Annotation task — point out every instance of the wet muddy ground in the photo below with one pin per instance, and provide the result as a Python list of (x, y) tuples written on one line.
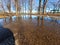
[(33, 31)]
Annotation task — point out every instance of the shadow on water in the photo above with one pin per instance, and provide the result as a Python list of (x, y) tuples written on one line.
[(6, 37)]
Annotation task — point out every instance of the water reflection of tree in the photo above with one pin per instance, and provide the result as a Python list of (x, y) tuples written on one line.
[(40, 23)]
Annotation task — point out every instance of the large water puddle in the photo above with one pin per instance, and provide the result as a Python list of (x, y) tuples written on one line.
[(26, 17)]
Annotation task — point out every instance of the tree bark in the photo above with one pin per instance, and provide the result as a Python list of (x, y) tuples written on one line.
[(39, 6), (16, 3)]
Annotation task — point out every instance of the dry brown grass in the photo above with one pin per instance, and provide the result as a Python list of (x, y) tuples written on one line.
[(31, 33)]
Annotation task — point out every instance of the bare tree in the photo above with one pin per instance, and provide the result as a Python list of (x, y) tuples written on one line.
[(2, 6), (23, 5), (30, 6), (54, 4), (44, 6), (39, 7), (19, 6), (58, 5), (9, 5), (39, 11), (16, 4)]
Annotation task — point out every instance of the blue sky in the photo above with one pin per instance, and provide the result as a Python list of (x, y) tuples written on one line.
[(35, 5)]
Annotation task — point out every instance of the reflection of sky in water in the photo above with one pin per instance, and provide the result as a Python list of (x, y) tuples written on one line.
[(7, 20), (34, 16), (26, 18), (1, 21), (13, 18), (48, 19), (51, 20), (58, 21), (45, 18)]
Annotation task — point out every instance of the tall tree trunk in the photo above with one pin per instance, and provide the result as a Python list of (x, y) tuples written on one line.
[(39, 6), (44, 6), (30, 6), (25, 9), (9, 5), (16, 3), (23, 6), (39, 11), (3, 9)]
